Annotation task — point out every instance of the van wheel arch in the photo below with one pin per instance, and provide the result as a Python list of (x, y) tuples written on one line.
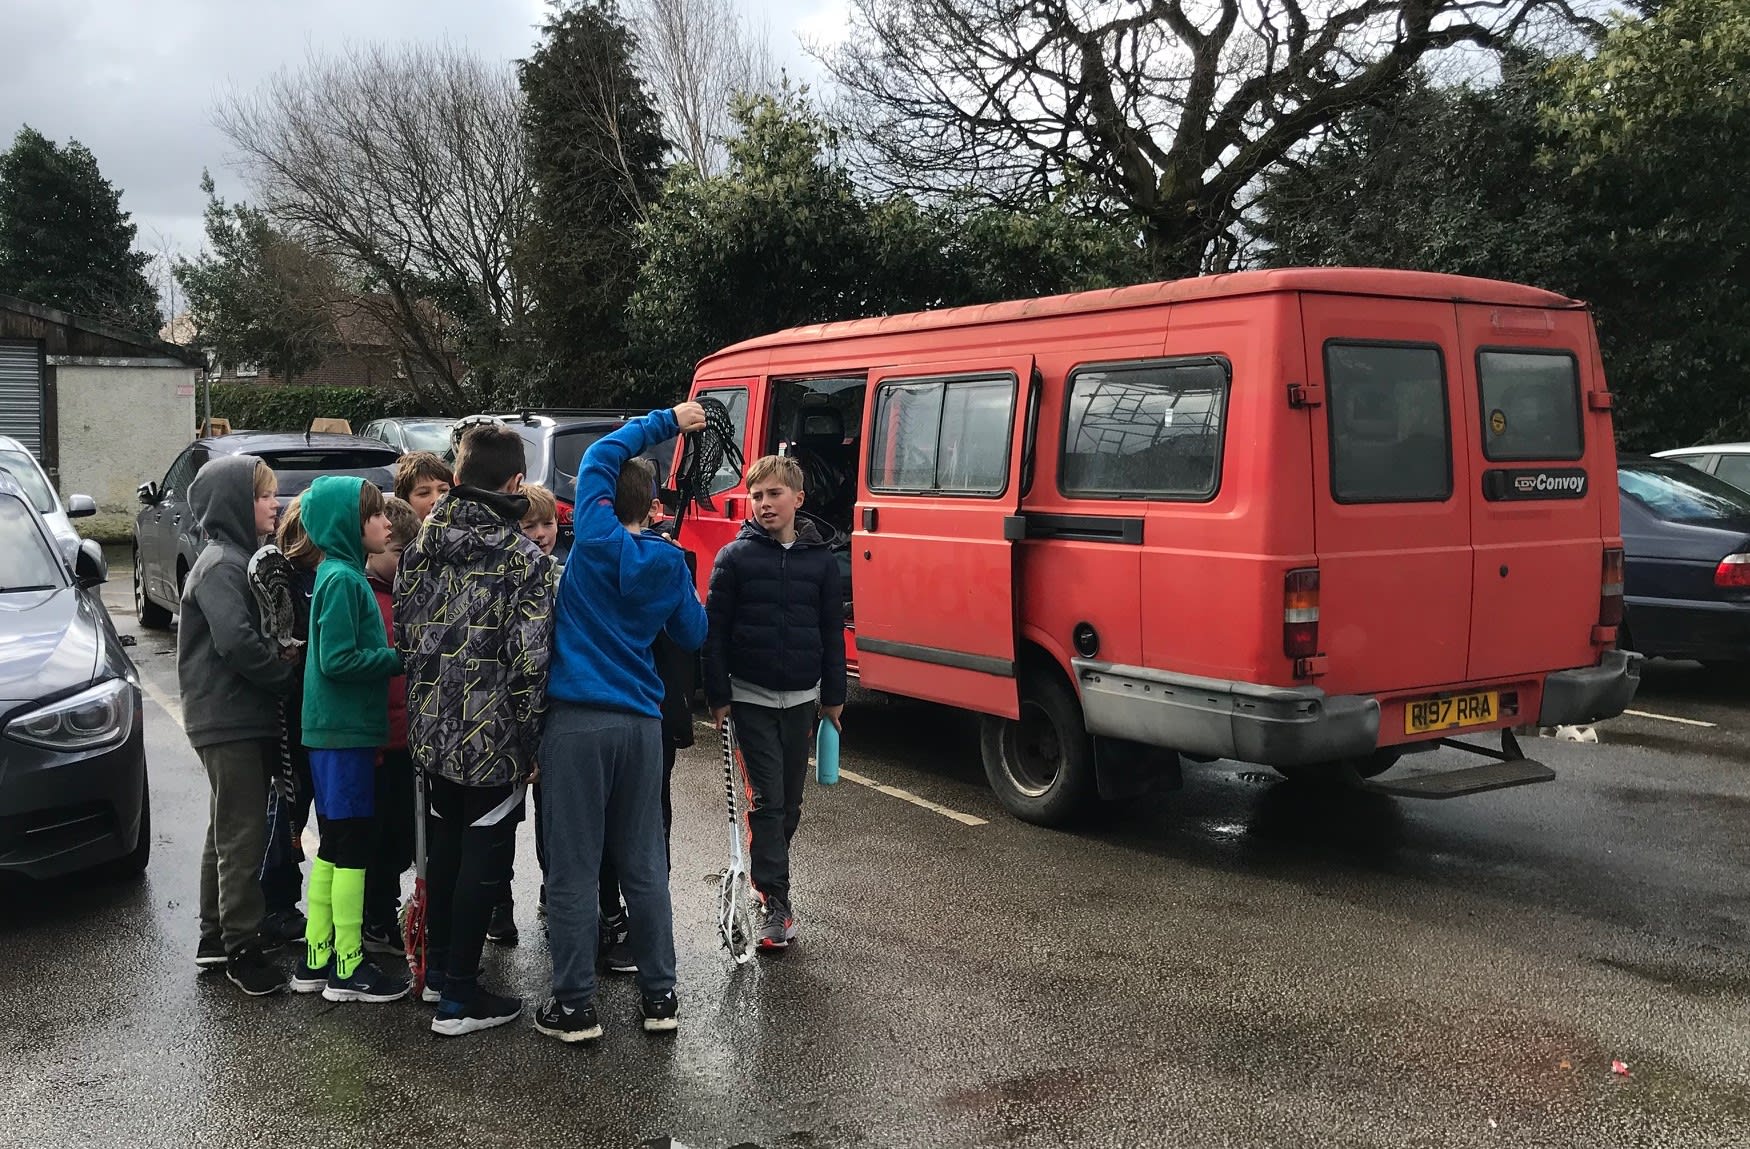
[(1041, 767)]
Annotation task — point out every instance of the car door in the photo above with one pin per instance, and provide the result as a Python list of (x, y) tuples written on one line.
[(181, 529), (154, 533)]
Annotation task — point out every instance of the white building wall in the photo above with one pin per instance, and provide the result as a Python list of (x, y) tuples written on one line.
[(120, 422)]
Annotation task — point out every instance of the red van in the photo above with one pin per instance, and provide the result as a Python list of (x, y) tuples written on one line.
[(1313, 519)]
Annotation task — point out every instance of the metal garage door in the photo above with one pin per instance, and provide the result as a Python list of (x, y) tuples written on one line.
[(21, 395)]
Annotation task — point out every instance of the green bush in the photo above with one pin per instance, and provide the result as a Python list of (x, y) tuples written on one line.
[(256, 408)]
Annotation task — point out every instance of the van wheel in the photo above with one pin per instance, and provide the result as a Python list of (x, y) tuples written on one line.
[(151, 615), (1332, 773), (1041, 766)]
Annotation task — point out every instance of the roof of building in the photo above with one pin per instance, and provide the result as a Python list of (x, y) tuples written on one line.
[(83, 336)]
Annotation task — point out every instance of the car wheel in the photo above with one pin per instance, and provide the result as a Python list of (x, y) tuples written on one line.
[(1041, 766), (151, 615), (133, 864)]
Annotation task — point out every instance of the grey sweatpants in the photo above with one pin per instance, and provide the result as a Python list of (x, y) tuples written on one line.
[(601, 790), (231, 899)]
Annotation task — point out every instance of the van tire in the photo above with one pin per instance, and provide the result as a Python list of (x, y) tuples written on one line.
[(1333, 773), (1042, 766)]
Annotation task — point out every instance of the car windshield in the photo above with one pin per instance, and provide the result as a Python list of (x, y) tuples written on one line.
[(23, 468), (298, 469), (27, 562), (433, 436), (1678, 493)]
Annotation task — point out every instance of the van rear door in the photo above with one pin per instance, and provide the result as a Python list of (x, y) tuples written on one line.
[(1543, 450), (933, 549), (1392, 516)]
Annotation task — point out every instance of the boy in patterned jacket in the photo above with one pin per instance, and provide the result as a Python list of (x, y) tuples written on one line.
[(473, 611)]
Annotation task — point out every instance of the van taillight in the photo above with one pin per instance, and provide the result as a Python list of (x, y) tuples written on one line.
[(1733, 572), (1300, 613), (1610, 589)]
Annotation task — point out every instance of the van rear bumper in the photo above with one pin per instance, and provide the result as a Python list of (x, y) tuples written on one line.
[(1215, 718), (1592, 693)]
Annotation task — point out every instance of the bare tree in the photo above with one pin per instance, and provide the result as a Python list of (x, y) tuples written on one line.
[(406, 165), (1160, 113), (695, 55)]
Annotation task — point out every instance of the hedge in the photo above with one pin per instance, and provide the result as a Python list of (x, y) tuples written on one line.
[(290, 408)]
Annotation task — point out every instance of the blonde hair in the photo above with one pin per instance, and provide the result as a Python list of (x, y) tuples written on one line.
[(266, 482), (543, 507), (294, 540), (780, 467), (404, 522)]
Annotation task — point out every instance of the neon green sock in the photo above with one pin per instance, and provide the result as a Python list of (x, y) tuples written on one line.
[(349, 920), (319, 934)]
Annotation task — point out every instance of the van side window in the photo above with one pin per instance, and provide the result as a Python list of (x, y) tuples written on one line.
[(734, 398), (947, 436), (1531, 405), (1391, 441), (1145, 430)]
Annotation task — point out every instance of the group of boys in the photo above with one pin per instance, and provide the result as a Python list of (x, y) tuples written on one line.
[(440, 637)]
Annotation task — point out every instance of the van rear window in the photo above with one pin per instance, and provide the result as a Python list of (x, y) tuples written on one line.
[(1391, 440), (1531, 405), (1149, 430)]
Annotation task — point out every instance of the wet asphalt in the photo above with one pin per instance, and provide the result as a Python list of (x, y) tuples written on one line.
[(1238, 963)]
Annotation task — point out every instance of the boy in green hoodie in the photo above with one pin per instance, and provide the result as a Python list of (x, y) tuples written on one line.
[(346, 721)]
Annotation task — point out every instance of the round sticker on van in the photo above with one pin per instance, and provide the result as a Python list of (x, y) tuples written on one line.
[(1498, 421)]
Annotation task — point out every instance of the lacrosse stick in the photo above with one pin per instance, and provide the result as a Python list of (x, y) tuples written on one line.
[(413, 913), (273, 580), (735, 894)]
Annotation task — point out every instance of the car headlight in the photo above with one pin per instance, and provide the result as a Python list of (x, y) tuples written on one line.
[(99, 716)]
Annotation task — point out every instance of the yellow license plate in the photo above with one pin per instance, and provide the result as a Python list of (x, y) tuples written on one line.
[(1452, 713)]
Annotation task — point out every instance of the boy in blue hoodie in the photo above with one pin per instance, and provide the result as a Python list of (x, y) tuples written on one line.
[(601, 753)]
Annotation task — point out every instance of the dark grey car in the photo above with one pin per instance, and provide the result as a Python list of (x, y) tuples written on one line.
[(166, 537), (73, 790)]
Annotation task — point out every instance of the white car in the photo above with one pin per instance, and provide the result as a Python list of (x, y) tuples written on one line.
[(17, 459), (1728, 461)]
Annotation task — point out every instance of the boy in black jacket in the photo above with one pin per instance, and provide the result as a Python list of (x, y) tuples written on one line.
[(776, 658)]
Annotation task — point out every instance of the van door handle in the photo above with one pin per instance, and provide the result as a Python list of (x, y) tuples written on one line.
[(869, 519)]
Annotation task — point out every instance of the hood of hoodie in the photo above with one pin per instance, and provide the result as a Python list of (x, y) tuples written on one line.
[(807, 534), (471, 522), (222, 498), (330, 509)]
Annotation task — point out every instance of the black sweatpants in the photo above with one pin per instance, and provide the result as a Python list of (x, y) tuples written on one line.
[(467, 873), (774, 761), (608, 886), (282, 881), (392, 840)]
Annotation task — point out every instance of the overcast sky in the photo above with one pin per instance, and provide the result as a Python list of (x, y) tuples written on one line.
[(136, 80)]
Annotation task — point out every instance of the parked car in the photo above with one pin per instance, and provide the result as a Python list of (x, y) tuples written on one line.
[(554, 443), (1687, 540), (423, 433), (1728, 461), (16, 458), (73, 790), (166, 537)]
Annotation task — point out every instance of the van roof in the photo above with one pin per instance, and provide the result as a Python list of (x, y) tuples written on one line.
[(1340, 280)]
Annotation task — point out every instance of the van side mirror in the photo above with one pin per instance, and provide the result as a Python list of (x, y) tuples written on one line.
[(81, 506), (89, 566), (149, 494)]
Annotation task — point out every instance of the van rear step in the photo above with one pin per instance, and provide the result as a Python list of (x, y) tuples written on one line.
[(1509, 768)]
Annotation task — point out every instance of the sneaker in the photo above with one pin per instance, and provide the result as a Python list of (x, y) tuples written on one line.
[(306, 979), (779, 928), (432, 991), (249, 970), (283, 928), (613, 948), (384, 940), (502, 928), (486, 1011), (568, 1022), (368, 984), (210, 953), (661, 1014)]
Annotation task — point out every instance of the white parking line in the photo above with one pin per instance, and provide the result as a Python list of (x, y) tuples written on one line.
[(1671, 718), (169, 704), (906, 796)]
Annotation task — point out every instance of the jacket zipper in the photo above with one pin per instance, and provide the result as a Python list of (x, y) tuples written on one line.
[(783, 597)]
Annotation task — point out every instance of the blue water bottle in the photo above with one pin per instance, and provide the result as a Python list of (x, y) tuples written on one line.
[(826, 754)]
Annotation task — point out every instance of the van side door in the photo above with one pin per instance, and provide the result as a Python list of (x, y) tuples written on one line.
[(933, 545)]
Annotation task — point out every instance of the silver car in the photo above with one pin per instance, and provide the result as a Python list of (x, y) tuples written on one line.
[(1728, 461), (16, 459)]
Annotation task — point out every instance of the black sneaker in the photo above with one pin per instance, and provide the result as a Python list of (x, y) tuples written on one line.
[(210, 953), (384, 940), (432, 991), (613, 947), (502, 928), (249, 970), (568, 1022), (486, 1011), (367, 984), (283, 928), (779, 927), (307, 979), (661, 1014)]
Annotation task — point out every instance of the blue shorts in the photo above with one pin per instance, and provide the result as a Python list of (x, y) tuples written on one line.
[(346, 782)]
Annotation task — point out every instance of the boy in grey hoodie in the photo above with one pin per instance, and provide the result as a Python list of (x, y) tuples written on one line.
[(232, 678)]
